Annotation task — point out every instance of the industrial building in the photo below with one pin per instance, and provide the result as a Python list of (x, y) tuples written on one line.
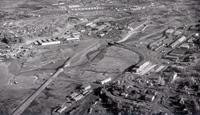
[(178, 42), (145, 68), (159, 68), (43, 42), (50, 43), (102, 82), (86, 8), (155, 45), (148, 67), (171, 58), (178, 52)]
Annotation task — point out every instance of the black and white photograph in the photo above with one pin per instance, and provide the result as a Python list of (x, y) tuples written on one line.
[(99, 57)]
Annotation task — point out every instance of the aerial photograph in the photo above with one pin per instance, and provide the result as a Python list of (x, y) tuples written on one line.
[(99, 57)]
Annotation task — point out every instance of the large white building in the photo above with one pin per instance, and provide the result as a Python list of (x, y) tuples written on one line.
[(145, 68), (50, 43)]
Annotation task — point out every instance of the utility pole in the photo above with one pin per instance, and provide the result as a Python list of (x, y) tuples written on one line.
[(19, 110)]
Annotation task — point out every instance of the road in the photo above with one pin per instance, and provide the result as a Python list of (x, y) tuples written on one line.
[(132, 32), (32, 97), (81, 55)]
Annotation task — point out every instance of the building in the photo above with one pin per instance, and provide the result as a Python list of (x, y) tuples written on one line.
[(86, 8), (185, 45), (156, 44), (106, 80), (145, 68), (144, 65), (63, 107), (179, 52), (50, 43), (171, 58), (178, 32), (86, 87), (47, 41), (59, 3), (169, 31), (91, 24), (178, 42), (79, 97), (74, 6), (72, 38), (159, 48), (160, 68)]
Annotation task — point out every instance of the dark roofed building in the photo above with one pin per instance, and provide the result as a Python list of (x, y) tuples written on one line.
[(178, 52)]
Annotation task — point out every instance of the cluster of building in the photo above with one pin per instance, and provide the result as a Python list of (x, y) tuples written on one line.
[(56, 41), (148, 67), (181, 50), (180, 56), (79, 95), (74, 97), (130, 93), (175, 45), (74, 36), (172, 39), (98, 29)]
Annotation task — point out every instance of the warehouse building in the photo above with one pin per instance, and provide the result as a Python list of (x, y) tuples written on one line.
[(178, 52), (44, 42), (145, 68), (87, 8), (178, 42)]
